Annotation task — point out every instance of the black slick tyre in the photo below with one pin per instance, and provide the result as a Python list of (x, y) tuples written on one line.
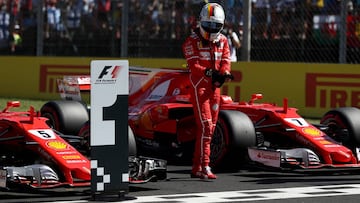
[(66, 117), (234, 133), (343, 125)]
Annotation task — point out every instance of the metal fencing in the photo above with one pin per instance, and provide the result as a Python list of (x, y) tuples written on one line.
[(320, 31), (307, 31)]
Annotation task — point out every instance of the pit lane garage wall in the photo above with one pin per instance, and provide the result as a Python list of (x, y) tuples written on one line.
[(312, 88)]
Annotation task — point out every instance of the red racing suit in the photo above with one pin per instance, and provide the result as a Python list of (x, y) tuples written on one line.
[(201, 54)]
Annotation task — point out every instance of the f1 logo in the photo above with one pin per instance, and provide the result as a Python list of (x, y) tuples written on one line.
[(106, 71), (108, 74)]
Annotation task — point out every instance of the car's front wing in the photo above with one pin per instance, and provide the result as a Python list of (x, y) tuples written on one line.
[(297, 158)]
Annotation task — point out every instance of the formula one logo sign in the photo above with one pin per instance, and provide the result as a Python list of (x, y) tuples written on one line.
[(109, 127), (108, 75)]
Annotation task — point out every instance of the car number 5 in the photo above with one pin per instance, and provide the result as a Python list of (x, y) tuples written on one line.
[(45, 134)]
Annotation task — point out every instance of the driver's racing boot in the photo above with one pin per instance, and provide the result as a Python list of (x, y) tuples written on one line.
[(203, 174), (207, 174), (196, 172)]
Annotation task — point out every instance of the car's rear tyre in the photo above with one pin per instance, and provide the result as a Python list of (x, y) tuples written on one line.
[(234, 133), (66, 117), (85, 147), (132, 143), (344, 126), (84, 133)]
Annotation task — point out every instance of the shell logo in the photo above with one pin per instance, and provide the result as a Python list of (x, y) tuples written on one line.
[(312, 131), (57, 145)]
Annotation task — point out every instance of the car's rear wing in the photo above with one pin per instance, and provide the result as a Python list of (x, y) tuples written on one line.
[(70, 87)]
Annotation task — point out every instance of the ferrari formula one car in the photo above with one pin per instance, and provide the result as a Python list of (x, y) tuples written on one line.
[(161, 119), (34, 155)]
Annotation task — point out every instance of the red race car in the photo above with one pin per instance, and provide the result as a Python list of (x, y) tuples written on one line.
[(34, 155), (161, 119)]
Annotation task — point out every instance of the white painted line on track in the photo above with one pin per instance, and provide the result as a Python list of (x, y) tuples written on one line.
[(248, 195), (251, 195)]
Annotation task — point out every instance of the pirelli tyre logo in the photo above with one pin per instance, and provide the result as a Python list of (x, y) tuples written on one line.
[(331, 90), (49, 73)]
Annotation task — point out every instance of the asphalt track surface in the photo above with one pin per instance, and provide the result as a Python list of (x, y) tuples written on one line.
[(245, 185)]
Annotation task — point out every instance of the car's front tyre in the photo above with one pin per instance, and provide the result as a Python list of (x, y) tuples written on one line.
[(234, 133), (344, 126)]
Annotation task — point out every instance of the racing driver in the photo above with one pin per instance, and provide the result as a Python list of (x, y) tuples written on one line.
[(207, 54)]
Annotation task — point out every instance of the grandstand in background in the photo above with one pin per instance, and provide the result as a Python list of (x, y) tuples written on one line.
[(281, 30)]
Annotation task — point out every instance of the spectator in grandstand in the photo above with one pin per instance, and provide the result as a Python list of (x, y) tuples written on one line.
[(54, 25), (103, 13), (27, 17), (229, 10), (332, 7), (179, 22), (72, 24), (233, 39), (135, 15), (352, 30), (290, 18), (165, 20), (88, 7), (88, 21), (155, 9), (192, 23), (13, 8), (260, 21), (4, 28), (28, 24), (89, 25), (73, 16), (54, 28), (275, 23), (15, 40)]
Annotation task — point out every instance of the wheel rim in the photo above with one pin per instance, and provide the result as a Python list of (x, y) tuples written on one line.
[(85, 142), (218, 145), (337, 130), (51, 121)]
